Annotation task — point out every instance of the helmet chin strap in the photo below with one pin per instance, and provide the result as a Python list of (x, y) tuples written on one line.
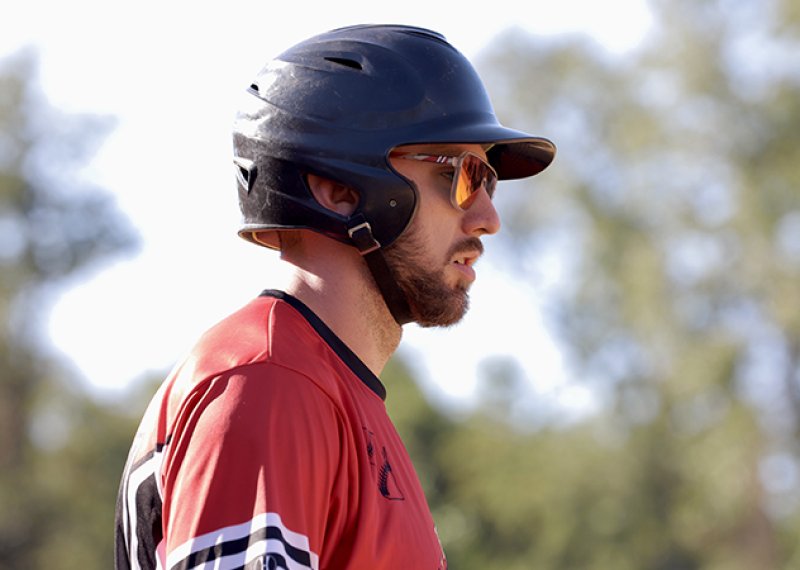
[(361, 233)]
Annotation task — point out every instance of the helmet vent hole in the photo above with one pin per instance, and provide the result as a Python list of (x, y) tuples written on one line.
[(346, 62)]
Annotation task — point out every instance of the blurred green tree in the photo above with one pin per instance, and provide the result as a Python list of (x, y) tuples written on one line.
[(60, 453), (672, 213), (673, 216)]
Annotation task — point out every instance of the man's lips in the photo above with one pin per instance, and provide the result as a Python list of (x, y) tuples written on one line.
[(464, 264), (465, 254)]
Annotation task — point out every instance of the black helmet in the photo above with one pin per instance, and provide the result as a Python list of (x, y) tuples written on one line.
[(336, 105)]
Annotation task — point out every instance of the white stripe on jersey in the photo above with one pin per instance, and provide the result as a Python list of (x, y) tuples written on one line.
[(260, 547), (151, 467)]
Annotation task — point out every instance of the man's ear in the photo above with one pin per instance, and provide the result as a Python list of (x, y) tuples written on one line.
[(332, 195)]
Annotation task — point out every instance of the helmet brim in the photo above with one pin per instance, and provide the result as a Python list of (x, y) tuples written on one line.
[(521, 158), (513, 154)]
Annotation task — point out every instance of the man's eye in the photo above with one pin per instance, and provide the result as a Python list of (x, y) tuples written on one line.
[(449, 175)]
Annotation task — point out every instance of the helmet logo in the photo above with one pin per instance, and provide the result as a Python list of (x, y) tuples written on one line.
[(245, 172)]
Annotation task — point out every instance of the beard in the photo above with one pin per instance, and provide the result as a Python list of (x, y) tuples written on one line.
[(433, 303)]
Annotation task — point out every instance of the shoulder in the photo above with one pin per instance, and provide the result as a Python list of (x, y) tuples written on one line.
[(265, 331), (266, 347), (266, 356)]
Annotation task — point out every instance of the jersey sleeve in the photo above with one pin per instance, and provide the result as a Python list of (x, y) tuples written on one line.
[(249, 472)]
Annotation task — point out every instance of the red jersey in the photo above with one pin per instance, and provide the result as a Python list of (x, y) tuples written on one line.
[(269, 447)]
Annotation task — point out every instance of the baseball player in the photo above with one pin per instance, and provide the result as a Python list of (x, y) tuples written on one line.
[(368, 156)]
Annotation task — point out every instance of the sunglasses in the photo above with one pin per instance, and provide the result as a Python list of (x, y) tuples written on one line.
[(471, 173)]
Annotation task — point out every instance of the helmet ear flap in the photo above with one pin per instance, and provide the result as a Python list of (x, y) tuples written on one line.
[(246, 172)]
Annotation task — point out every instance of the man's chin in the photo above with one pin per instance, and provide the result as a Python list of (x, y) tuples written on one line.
[(446, 313)]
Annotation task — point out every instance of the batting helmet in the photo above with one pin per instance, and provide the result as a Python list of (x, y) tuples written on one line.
[(335, 106)]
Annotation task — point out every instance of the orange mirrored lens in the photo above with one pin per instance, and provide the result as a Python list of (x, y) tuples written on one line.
[(473, 174)]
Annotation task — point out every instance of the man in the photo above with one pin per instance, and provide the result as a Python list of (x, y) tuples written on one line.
[(368, 156)]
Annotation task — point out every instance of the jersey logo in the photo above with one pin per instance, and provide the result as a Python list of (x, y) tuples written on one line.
[(387, 483), (269, 562)]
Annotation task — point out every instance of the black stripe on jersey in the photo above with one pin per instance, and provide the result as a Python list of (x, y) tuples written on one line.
[(240, 545), (140, 521), (148, 522), (340, 348), (149, 455)]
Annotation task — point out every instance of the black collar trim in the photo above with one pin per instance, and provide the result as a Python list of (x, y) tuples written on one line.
[(340, 348)]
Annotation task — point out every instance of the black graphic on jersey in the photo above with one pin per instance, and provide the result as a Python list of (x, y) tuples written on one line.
[(387, 483)]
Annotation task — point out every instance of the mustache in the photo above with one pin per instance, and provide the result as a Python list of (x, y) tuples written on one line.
[(468, 245)]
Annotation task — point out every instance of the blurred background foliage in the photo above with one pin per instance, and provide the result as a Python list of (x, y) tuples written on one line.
[(666, 238), (60, 452)]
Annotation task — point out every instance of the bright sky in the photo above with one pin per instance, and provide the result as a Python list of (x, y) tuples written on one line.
[(171, 72)]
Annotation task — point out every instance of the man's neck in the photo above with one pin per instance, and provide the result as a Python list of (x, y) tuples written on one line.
[(337, 286)]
